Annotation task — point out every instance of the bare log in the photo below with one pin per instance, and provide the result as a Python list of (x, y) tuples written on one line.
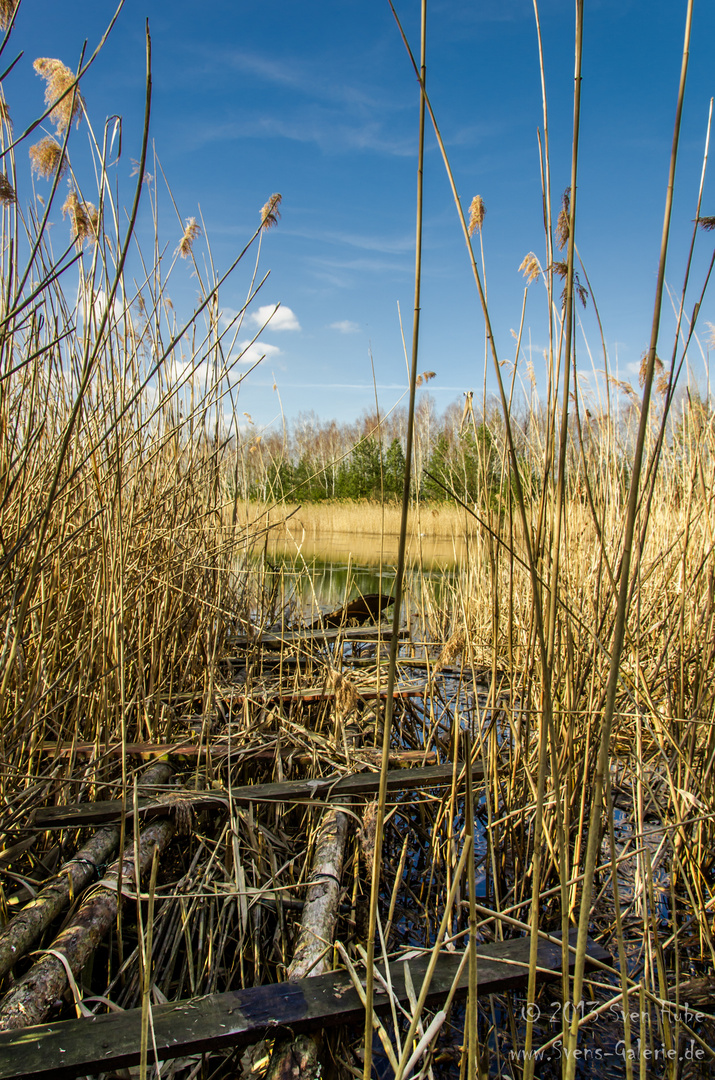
[(320, 910), (23, 930), (32, 996), (297, 1059)]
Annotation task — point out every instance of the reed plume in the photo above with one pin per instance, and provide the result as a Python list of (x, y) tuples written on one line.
[(191, 232), (59, 80), (84, 219), (46, 157), (530, 267), (7, 10), (271, 212), (562, 222), (477, 211), (7, 191)]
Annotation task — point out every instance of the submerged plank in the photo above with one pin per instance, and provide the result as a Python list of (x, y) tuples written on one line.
[(364, 783), (71, 1048)]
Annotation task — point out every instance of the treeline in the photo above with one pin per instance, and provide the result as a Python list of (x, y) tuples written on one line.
[(455, 453), (461, 453)]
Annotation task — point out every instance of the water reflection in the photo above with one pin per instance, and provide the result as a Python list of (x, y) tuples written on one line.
[(367, 549), (327, 572)]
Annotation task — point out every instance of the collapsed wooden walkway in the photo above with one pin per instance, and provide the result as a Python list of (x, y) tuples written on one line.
[(216, 1022), (364, 783), (232, 1019)]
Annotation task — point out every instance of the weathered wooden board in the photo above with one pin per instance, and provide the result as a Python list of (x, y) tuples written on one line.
[(307, 695), (63, 817), (219, 748), (316, 637), (73, 1048)]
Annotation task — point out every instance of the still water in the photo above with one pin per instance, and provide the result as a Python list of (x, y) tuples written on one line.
[(327, 571)]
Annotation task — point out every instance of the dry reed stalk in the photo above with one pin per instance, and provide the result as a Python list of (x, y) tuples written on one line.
[(624, 585), (377, 858)]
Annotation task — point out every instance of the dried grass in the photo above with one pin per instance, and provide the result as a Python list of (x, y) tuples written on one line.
[(84, 219), (191, 233), (46, 156), (58, 81)]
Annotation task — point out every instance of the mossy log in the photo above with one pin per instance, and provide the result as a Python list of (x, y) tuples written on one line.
[(23, 930), (31, 998)]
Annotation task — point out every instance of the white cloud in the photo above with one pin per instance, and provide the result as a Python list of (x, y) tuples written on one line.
[(281, 317), (251, 353), (345, 326), (226, 317)]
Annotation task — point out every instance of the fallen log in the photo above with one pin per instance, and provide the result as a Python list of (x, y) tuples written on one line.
[(320, 908), (32, 996), (297, 1058), (364, 783), (23, 930), (72, 1048)]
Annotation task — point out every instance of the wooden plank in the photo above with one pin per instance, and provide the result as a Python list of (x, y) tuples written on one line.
[(63, 1050), (220, 748), (309, 695), (317, 637), (364, 783)]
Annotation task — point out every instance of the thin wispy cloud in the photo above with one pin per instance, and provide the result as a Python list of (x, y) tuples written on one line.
[(313, 80), (386, 245), (277, 317), (327, 128), (345, 326), (371, 265)]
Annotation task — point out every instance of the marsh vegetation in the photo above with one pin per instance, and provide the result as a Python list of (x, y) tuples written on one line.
[(150, 549)]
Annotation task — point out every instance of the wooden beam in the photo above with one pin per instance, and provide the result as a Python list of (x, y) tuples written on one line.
[(64, 1050), (220, 748), (364, 783), (309, 695), (316, 637)]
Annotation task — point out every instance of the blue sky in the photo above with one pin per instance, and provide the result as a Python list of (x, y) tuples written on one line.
[(317, 100)]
